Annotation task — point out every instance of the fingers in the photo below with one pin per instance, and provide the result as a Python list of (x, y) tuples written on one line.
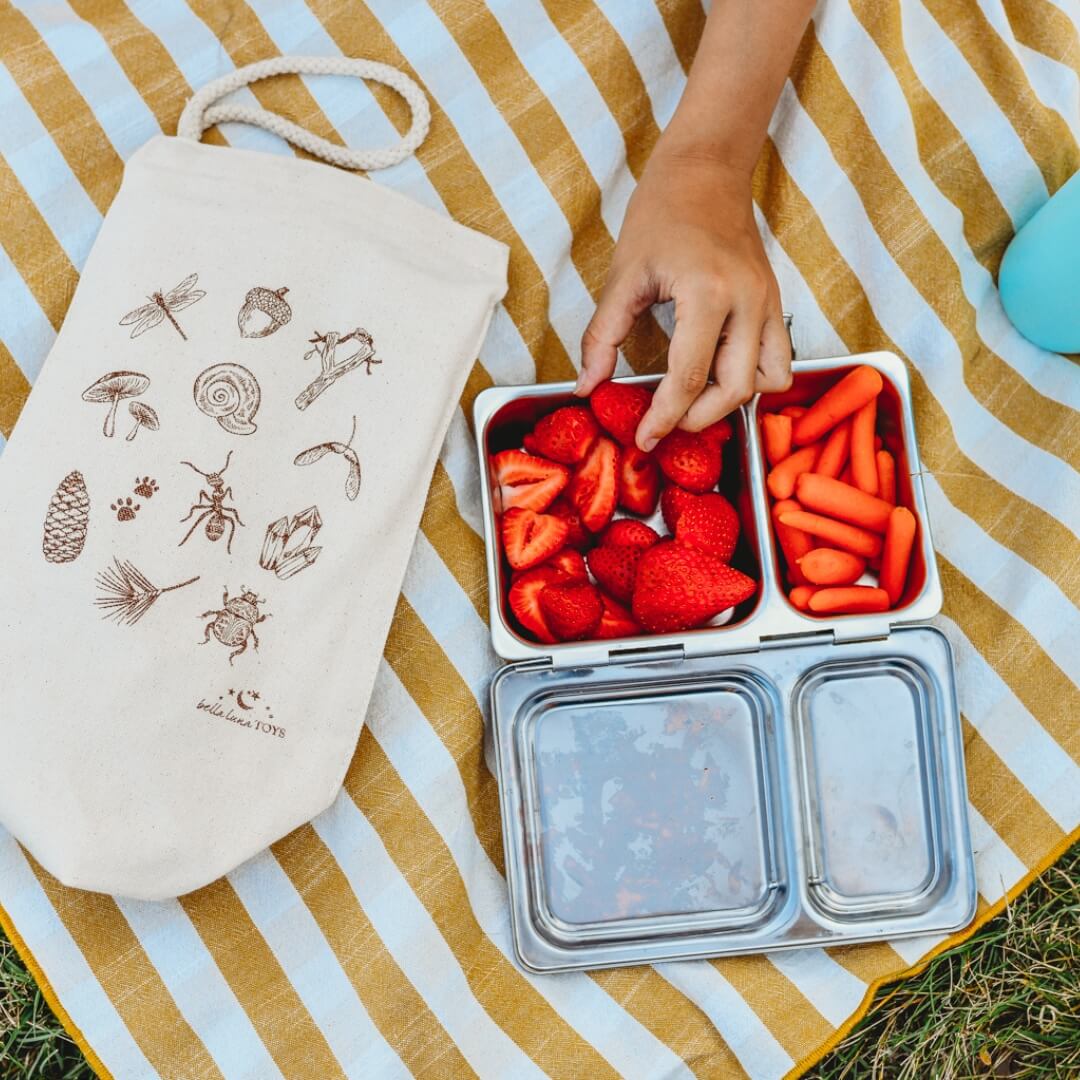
[(624, 298), (699, 318), (774, 360)]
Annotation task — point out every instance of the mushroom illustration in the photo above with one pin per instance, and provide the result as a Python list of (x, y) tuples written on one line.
[(112, 389), (144, 416)]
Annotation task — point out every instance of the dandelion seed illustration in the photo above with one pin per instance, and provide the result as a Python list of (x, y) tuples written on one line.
[(127, 594)]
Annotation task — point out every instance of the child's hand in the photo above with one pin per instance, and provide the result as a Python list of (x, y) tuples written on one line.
[(690, 236)]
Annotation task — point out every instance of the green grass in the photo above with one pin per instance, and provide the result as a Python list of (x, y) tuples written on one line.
[(1006, 1003)]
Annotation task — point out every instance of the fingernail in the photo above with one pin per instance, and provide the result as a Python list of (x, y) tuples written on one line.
[(580, 383), (649, 443)]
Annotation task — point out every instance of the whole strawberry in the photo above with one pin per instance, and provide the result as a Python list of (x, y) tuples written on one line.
[(630, 532), (565, 435), (524, 599), (689, 460), (577, 536), (614, 567), (571, 611), (710, 524), (672, 503), (619, 407), (678, 587)]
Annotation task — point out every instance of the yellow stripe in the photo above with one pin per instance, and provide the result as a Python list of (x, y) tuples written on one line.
[(1024, 528), (942, 149), (1042, 130), (397, 1010), (426, 864), (129, 979), (1041, 26), (1006, 804), (14, 390), (874, 961), (557, 160), (926, 261), (685, 22), (278, 1015), (60, 107)]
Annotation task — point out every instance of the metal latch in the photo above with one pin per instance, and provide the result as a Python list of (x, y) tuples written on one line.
[(598, 654)]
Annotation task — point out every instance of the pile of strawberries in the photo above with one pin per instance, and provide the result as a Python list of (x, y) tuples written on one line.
[(578, 571), (834, 490)]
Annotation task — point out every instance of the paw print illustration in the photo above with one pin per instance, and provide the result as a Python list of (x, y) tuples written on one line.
[(145, 487), (125, 509)]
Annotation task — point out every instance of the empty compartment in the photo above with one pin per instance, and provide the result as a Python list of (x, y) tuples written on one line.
[(870, 787), (649, 816)]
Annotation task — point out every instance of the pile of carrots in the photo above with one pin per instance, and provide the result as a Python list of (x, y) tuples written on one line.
[(834, 510)]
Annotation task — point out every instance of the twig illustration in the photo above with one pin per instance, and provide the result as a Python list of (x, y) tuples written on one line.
[(127, 594), (66, 520), (212, 504), (332, 369), (314, 453), (230, 394), (162, 306)]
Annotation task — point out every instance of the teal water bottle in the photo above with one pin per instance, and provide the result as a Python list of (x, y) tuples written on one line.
[(1039, 280)]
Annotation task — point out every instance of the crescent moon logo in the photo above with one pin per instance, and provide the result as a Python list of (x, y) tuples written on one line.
[(240, 700)]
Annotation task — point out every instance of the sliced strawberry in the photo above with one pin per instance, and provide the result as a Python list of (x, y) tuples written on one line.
[(619, 407), (639, 481), (565, 435), (571, 563), (615, 567), (689, 460), (526, 481), (572, 611), (577, 537), (616, 621), (679, 587), (711, 525), (631, 533), (530, 538), (594, 487), (718, 433), (524, 599), (672, 503)]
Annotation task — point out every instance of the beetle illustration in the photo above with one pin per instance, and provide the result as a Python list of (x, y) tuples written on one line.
[(212, 505), (235, 621)]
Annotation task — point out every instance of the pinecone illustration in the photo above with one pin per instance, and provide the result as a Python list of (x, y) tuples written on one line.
[(66, 520)]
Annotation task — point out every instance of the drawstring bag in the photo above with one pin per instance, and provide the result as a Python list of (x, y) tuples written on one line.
[(213, 491)]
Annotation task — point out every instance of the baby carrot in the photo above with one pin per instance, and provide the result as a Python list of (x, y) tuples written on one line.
[(849, 600), (827, 566), (837, 533), (886, 476), (852, 392), (834, 454), (833, 498), (781, 481), (800, 596), (776, 435), (863, 465), (896, 557), (794, 411), (794, 543), (846, 477)]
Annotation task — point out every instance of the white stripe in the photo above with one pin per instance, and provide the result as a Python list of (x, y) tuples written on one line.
[(458, 457), (292, 934), (912, 950), (913, 324), (63, 964), (27, 333), (997, 869), (1036, 760), (828, 986), (747, 1037), (202, 995), (414, 941), (871, 82), (430, 773)]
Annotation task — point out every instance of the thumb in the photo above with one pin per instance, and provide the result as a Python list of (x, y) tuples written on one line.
[(624, 298)]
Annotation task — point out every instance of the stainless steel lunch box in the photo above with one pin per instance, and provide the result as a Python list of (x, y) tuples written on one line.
[(778, 781)]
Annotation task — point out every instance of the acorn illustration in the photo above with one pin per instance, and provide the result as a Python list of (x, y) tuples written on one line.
[(66, 520), (264, 311)]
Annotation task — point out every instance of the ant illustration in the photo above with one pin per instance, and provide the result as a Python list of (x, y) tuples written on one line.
[(212, 505)]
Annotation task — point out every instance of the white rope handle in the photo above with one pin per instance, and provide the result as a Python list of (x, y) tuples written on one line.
[(202, 112)]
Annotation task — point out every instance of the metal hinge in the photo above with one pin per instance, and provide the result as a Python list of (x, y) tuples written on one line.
[(598, 655)]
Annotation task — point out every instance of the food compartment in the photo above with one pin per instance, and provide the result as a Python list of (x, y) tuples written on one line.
[(870, 777), (894, 432), (648, 812)]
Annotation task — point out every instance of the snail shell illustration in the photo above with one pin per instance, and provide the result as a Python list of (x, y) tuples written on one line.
[(264, 311), (230, 394), (66, 520)]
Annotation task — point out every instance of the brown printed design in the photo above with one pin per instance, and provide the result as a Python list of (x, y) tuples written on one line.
[(242, 716), (162, 306), (124, 509), (235, 621), (145, 487), (66, 520), (332, 368), (113, 388), (264, 311), (315, 453), (127, 594), (144, 417), (212, 504), (288, 546), (230, 394)]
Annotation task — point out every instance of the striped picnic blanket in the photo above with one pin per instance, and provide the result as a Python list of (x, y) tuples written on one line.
[(912, 139)]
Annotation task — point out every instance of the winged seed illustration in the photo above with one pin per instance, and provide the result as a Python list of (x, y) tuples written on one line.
[(316, 453)]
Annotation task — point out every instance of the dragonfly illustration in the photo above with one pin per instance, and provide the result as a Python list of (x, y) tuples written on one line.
[(162, 305)]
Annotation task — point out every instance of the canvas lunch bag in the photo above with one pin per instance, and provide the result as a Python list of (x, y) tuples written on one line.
[(212, 493)]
